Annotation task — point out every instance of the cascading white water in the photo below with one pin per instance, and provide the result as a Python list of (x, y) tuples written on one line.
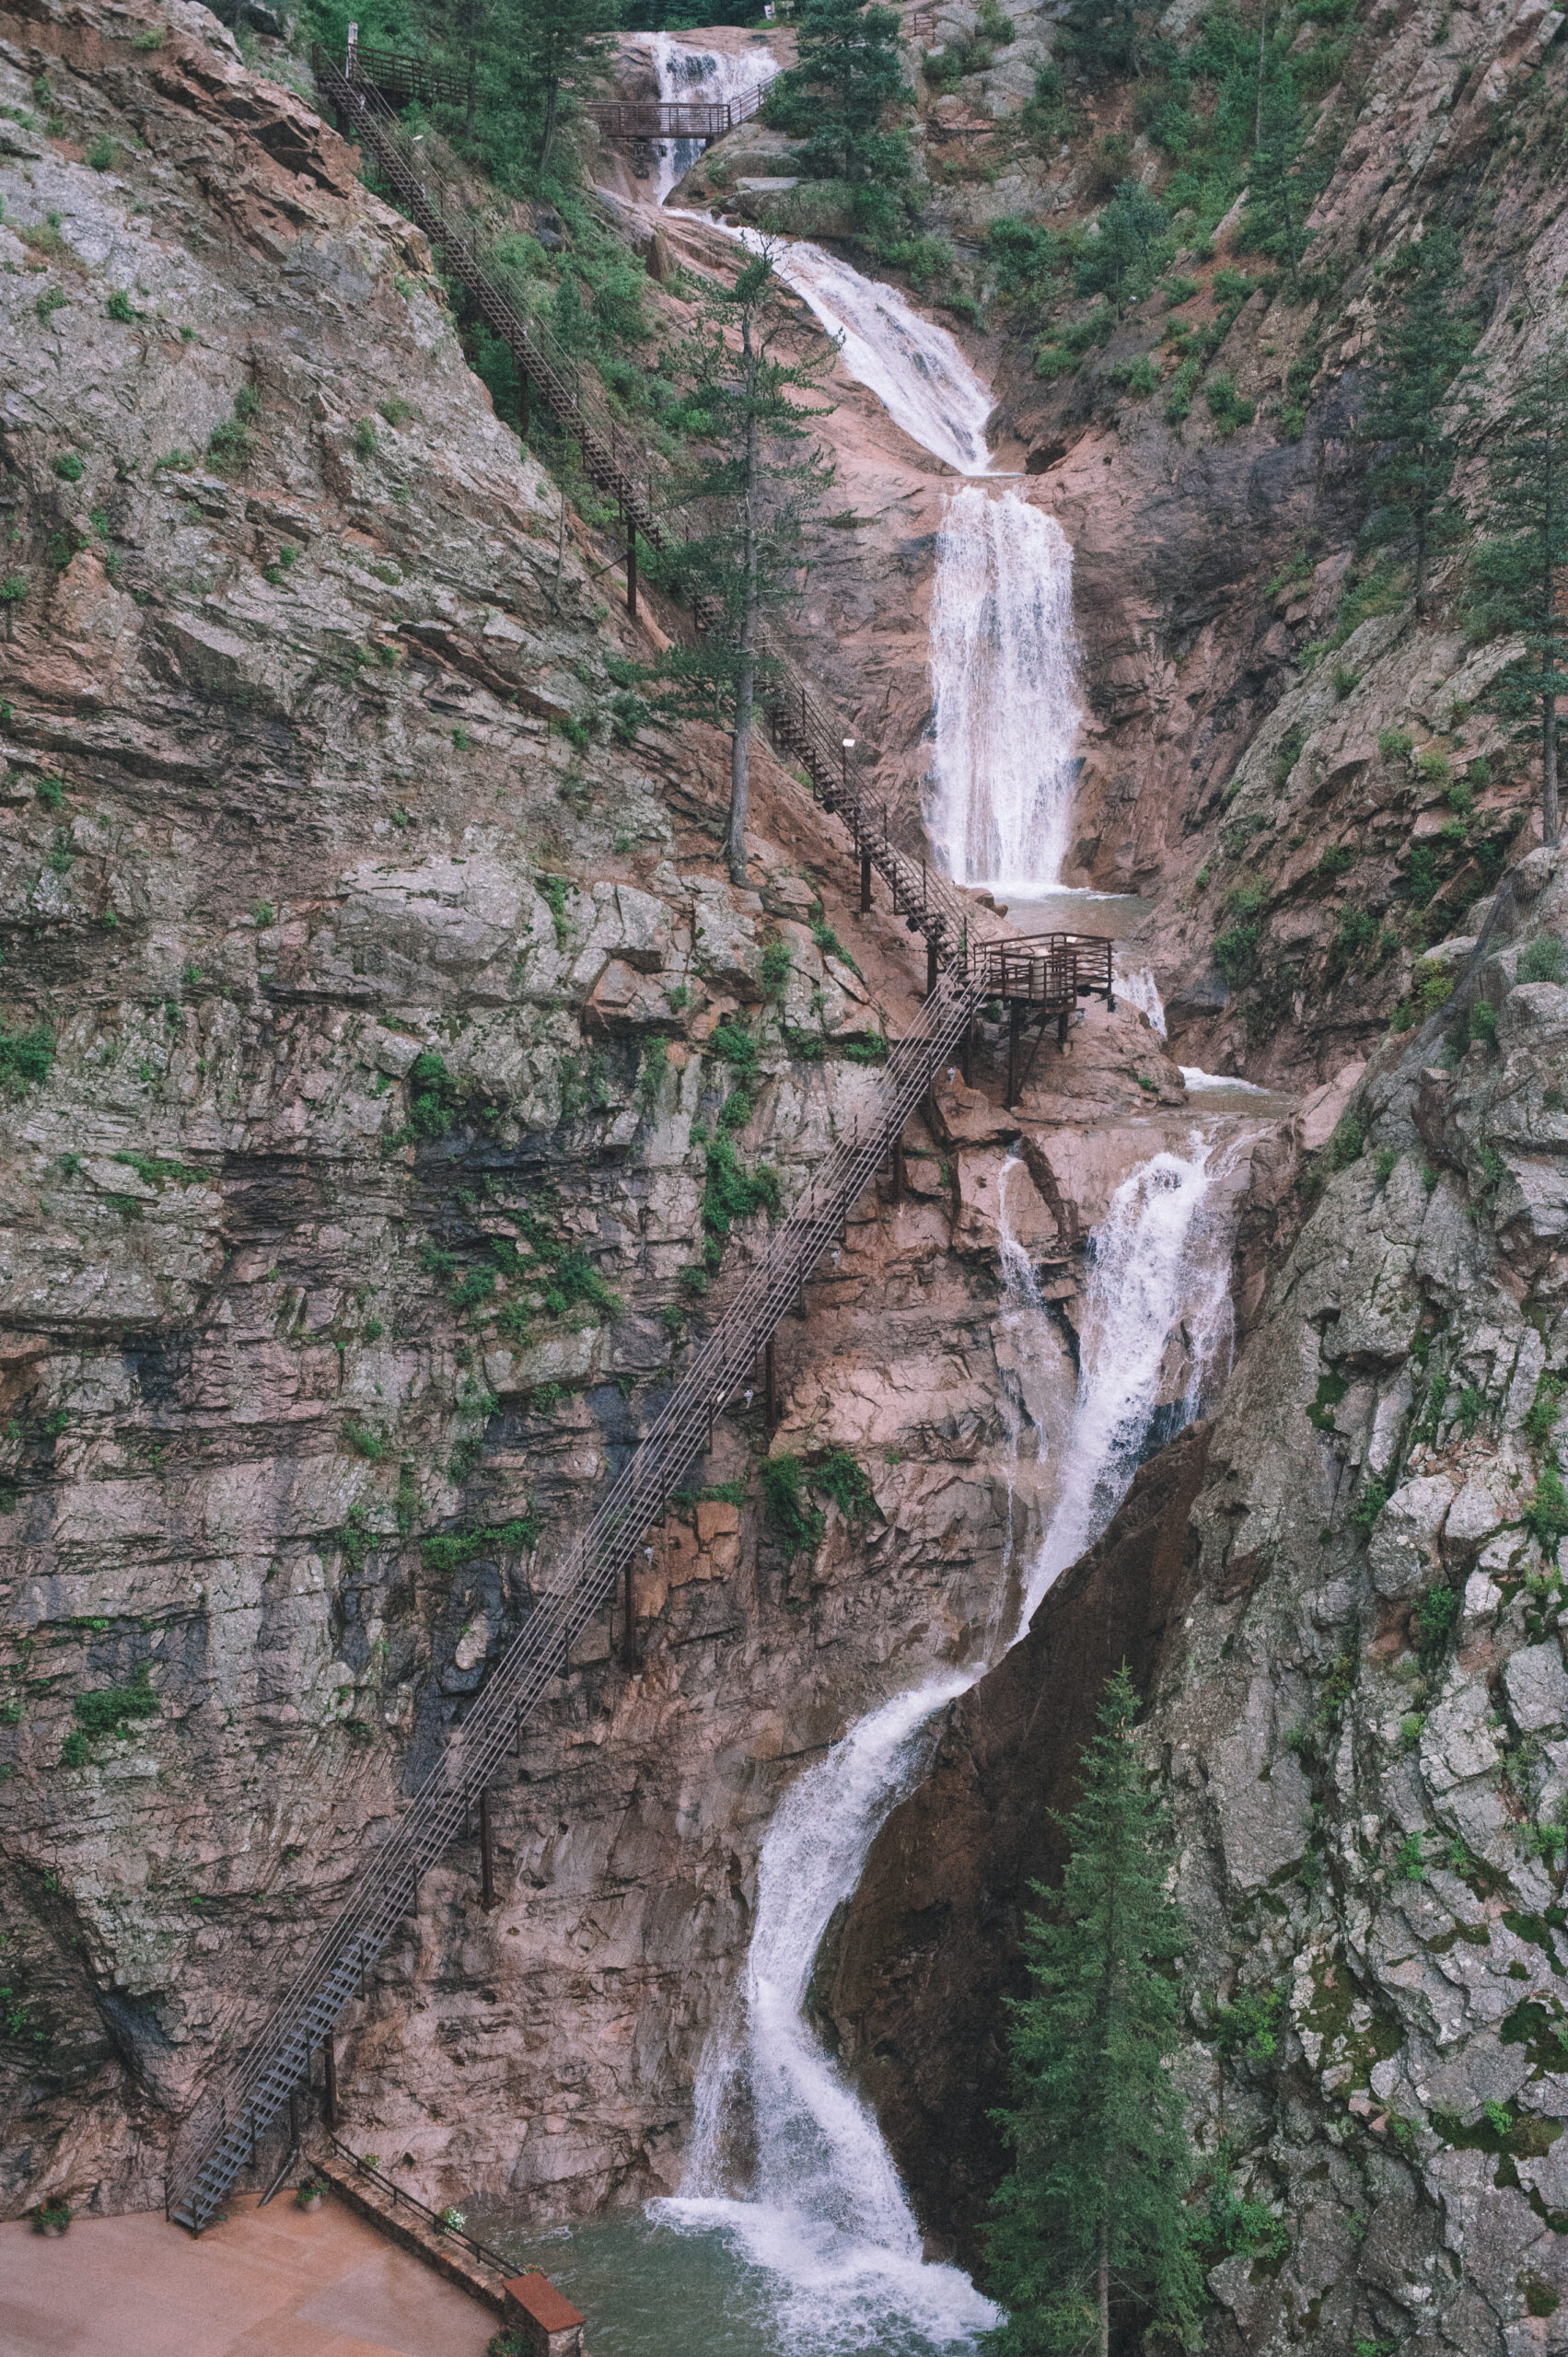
[(915, 368), (827, 2218), (700, 75), (1159, 1273), (1136, 986), (1003, 674)]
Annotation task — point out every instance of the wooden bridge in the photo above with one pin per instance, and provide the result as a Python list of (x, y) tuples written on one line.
[(628, 121), (1043, 979)]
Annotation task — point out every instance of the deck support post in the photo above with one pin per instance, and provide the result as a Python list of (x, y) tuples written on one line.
[(865, 883), (629, 1619), (330, 2079), (900, 1175), (486, 1852), (771, 1382), (966, 1063), (931, 967), (1015, 1028)]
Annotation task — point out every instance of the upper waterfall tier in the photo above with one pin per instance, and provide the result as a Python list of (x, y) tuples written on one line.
[(1003, 677), (698, 76)]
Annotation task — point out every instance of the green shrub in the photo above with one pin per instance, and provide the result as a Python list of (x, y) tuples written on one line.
[(1546, 1515), (1338, 860), (119, 307), (1348, 1143), (433, 1095), (1236, 953), (1395, 744), (1482, 1023), (230, 447), (839, 1476), (102, 153), (1229, 408), (794, 1521), (1544, 960), (551, 890), (450, 1550), (395, 409), (775, 970), (1432, 1618), (69, 468), (53, 299), (1138, 378), (1248, 2025), (26, 1056), (366, 443), (105, 1710)]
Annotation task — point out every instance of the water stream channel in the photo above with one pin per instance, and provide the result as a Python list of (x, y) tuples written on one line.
[(808, 2247)]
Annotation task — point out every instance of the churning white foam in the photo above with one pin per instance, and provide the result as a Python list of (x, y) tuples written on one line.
[(1003, 665)]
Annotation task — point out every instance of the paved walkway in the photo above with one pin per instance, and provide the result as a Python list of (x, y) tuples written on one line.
[(269, 2284)]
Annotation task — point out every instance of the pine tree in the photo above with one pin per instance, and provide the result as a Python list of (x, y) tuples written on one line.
[(1093, 2213), (847, 76), (1110, 38), (530, 53), (1519, 570), (750, 494), (1282, 177), (1412, 416)]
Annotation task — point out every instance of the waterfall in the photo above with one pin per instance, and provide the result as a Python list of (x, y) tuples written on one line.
[(828, 2219), (1136, 986), (1159, 1279), (915, 368), (1002, 666), (700, 77)]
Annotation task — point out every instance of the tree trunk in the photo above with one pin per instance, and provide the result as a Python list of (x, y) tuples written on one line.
[(746, 679), (547, 134), (1105, 2284), (1549, 773)]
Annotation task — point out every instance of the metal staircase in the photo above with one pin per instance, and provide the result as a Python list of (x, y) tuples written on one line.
[(1048, 976)]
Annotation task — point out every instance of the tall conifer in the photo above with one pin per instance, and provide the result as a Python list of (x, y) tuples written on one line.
[(1092, 2215), (1418, 425), (1521, 570), (751, 490)]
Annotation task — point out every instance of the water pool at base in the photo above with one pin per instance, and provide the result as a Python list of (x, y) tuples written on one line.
[(654, 2285)]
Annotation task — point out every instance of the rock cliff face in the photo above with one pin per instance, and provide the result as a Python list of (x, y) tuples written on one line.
[(1360, 1711), (363, 1025)]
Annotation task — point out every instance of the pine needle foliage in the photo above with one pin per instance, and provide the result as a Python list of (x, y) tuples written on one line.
[(1091, 2219), (1414, 421), (752, 482)]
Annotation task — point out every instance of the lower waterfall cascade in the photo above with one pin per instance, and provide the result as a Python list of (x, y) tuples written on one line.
[(826, 2216)]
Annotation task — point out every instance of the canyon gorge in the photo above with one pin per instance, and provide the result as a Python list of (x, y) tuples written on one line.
[(401, 1090)]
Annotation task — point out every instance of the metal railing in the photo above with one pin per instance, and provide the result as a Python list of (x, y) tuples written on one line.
[(486, 2253), (400, 78)]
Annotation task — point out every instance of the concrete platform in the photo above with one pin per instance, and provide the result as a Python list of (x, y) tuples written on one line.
[(268, 2283)]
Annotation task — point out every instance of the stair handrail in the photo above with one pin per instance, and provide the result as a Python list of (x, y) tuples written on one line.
[(251, 2092)]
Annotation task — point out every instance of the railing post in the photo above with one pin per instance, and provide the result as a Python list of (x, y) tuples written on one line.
[(351, 55), (486, 1856), (627, 518)]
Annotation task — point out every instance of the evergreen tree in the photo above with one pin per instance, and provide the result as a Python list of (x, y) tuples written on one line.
[(551, 43), (1110, 38), (1093, 2210), (750, 494), (1519, 570), (1412, 416), (1282, 183), (837, 96)]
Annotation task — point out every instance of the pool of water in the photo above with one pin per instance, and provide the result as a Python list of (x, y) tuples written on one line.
[(1117, 913), (683, 2280)]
